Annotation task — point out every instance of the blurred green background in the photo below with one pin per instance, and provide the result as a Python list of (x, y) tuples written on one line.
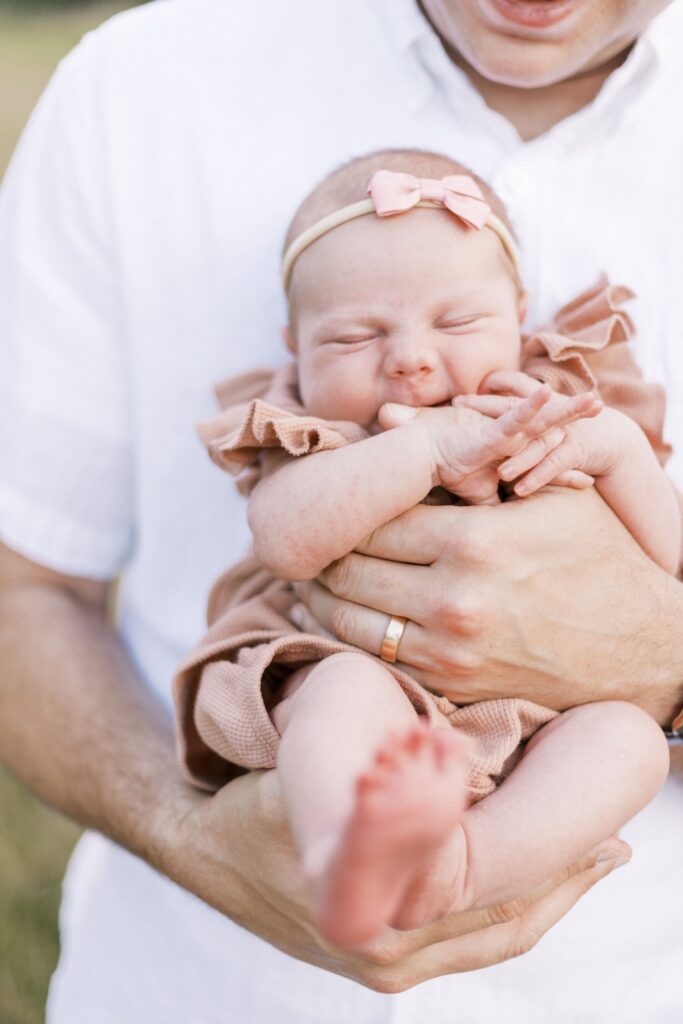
[(34, 842)]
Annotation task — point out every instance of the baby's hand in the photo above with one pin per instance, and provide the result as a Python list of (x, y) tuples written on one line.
[(468, 443), (585, 447)]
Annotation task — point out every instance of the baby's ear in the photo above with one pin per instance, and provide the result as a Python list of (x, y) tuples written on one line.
[(522, 306), (288, 339)]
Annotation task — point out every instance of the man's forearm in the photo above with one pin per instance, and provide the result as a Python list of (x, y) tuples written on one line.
[(77, 726)]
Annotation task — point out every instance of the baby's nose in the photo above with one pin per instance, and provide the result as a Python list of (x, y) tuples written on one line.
[(410, 357)]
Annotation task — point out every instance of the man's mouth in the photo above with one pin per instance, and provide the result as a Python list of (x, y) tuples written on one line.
[(534, 13)]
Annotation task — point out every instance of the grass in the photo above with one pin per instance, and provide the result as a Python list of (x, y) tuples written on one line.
[(31, 44), (34, 846), (34, 842)]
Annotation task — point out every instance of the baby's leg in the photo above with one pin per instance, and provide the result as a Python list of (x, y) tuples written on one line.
[(372, 794), (582, 777)]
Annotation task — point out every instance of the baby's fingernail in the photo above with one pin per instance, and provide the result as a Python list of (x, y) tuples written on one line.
[(401, 412), (296, 615), (617, 860), (521, 489)]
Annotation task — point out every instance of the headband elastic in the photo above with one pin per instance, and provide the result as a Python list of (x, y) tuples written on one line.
[(394, 193)]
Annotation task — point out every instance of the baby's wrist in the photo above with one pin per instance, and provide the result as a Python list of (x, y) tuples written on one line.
[(628, 442), (424, 447)]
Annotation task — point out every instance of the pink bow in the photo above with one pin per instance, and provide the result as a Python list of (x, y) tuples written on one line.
[(394, 192)]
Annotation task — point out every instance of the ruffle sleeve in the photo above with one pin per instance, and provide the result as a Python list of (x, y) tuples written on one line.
[(587, 348), (262, 411)]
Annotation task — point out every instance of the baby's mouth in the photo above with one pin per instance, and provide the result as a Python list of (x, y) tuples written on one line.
[(376, 428)]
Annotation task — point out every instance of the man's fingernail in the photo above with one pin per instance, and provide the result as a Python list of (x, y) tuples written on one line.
[(401, 412)]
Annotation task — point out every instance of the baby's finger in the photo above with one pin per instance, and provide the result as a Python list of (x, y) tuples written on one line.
[(512, 382), (488, 405), (517, 419), (575, 478), (560, 460), (534, 453), (562, 411)]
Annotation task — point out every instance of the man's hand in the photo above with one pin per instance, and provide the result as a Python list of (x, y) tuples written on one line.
[(235, 851), (548, 599)]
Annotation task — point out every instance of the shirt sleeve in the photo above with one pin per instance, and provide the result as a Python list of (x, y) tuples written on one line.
[(65, 436)]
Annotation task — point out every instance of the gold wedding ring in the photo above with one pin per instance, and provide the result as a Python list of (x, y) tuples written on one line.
[(392, 638)]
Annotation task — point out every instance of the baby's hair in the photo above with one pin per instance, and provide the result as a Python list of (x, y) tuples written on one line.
[(349, 184)]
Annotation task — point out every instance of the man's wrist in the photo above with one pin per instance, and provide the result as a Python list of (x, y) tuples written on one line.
[(675, 733)]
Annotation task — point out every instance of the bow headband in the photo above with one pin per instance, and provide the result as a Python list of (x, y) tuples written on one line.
[(393, 192)]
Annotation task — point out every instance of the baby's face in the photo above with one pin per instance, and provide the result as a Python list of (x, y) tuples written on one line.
[(413, 309)]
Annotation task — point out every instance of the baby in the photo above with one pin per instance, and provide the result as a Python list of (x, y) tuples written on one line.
[(412, 298)]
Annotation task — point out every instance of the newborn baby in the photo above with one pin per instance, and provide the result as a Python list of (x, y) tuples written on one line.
[(405, 308)]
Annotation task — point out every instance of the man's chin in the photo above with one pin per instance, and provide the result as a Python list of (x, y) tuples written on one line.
[(521, 64)]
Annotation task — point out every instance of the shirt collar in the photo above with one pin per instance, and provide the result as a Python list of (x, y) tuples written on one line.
[(411, 33), (403, 22)]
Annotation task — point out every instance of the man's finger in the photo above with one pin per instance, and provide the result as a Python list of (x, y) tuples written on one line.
[(416, 537), (376, 583), (515, 935), (306, 622), (355, 624)]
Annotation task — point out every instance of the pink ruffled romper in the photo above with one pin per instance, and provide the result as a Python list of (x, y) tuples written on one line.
[(227, 685)]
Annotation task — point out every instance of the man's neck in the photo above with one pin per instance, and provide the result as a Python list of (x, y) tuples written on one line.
[(534, 111)]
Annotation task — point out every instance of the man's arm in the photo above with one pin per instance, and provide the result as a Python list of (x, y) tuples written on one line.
[(76, 723), (78, 727)]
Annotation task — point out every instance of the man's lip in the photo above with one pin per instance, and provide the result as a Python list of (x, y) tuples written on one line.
[(534, 13)]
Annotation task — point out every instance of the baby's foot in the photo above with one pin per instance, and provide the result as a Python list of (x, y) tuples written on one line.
[(407, 807)]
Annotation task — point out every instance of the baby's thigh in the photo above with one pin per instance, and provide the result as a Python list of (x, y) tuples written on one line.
[(612, 738), (345, 683)]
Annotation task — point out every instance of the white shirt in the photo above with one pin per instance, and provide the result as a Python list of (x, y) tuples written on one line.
[(140, 231)]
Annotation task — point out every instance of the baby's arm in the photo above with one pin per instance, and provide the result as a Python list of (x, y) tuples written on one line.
[(312, 510), (316, 508), (613, 449)]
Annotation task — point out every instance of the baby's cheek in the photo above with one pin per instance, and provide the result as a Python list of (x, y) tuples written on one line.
[(339, 393), (503, 354)]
